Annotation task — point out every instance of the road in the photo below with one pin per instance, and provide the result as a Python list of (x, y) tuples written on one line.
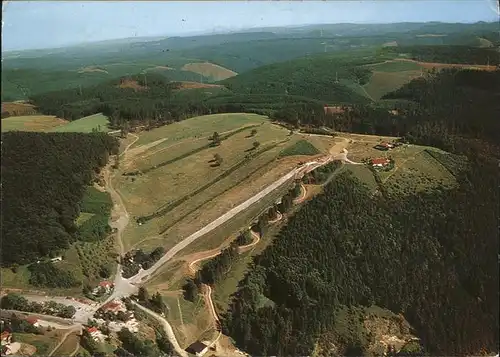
[(127, 287), (166, 327), (144, 275)]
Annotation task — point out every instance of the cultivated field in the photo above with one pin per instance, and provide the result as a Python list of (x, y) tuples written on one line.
[(97, 122), (33, 123), (209, 70), (18, 108)]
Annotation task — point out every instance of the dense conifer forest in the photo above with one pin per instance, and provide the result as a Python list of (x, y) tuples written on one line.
[(44, 178), (431, 256)]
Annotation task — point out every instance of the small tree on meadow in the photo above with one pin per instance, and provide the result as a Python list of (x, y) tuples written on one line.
[(216, 138), (256, 144), (253, 132), (218, 159)]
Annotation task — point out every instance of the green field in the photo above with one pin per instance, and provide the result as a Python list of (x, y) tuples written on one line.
[(301, 147), (420, 172), (88, 124), (396, 66), (173, 181), (32, 123), (199, 127), (382, 83)]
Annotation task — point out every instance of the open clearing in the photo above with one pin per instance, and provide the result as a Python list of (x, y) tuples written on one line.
[(384, 82), (18, 108), (183, 185), (98, 122), (209, 70), (91, 69), (192, 85), (33, 123)]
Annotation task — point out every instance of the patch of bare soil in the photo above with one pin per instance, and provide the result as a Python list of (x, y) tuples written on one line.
[(128, 83), (430, 65), (387, 332), (26, 350)]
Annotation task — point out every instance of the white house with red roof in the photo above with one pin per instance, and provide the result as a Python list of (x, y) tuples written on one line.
[(380, 162), (96, 334), (104, 287), (33, 320)]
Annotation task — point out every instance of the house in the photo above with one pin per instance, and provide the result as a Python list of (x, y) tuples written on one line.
[(114, 306), (96, 334), (197, 348), (106, 285), (33, 320), (6, 338), (56, 259), (384, 146), (381, 162), (333, 110)]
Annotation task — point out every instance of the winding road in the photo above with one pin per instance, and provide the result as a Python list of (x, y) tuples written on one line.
[(127, 287), (166, 326)]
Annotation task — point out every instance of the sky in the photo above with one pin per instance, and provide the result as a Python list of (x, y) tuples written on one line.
[(48, 24)]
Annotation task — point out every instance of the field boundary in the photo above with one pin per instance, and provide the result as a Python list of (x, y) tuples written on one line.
[(162, 210), (187, 154), (210, 200)]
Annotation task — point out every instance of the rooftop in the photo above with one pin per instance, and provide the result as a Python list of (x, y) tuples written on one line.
[(196, 347)]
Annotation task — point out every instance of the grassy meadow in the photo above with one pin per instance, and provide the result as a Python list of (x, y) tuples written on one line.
[(184, 188), (32, 123), (97, 122)]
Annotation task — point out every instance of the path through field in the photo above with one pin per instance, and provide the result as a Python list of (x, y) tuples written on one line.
[(166, 326), (66, 335)]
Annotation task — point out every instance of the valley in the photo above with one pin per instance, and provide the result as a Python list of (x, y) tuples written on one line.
[(316, 190)]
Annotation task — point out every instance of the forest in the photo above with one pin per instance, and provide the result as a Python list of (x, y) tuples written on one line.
[(432, 257), (44, 178)]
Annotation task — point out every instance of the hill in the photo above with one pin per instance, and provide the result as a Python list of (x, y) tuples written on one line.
[(338, 252), (316, 77)]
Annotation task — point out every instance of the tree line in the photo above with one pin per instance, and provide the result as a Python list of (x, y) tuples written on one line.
[(44, 178), (430, 256)]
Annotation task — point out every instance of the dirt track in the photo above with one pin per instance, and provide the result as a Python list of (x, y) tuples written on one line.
[(166, 327)]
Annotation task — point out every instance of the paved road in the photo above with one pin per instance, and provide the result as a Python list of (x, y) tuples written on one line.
[(166, 327), (144, 275)]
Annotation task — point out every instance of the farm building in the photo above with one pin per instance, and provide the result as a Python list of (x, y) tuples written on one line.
[(384, 146), (96, 334), (381, 162), (333, 109), (197, 348), (114, 306), (32, 320)]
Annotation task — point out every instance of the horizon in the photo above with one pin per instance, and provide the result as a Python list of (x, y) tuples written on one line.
[(28, 25)]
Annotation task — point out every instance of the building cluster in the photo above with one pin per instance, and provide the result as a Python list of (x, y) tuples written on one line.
[(104, 287), (115, 316), (385, 146), (8, 347)]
